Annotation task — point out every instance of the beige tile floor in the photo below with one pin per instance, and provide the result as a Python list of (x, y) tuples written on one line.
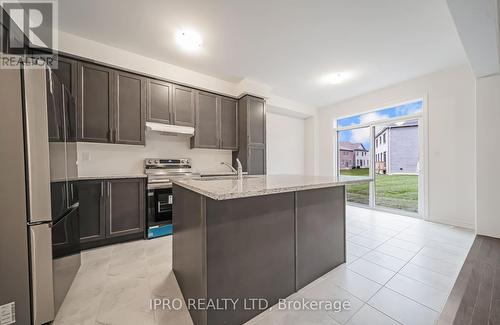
[(399, 270)]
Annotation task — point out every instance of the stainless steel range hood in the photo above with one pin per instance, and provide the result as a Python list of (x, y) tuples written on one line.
[(169, 129)]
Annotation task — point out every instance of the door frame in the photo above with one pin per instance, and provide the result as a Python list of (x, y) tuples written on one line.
[(423, 178)]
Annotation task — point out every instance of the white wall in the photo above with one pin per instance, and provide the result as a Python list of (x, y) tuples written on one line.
[(96, 159), (451, 134), (118, 57), (285, 144), (311, 145), (487, 155)]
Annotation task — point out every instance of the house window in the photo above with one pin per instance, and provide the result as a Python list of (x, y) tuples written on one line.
[(384, 138), (385, 157)]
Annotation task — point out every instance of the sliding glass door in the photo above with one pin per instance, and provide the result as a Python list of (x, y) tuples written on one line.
[(354, 162), (397, 163), (384, 155)]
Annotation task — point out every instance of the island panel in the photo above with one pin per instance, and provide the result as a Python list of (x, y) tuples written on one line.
[(266, 246), (250, 253), (188, 247), (320, 232)]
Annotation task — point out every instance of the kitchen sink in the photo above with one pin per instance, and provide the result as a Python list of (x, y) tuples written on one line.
[(229, 177)]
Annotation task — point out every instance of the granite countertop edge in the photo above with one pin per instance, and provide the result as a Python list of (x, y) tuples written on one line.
[(261, 192)]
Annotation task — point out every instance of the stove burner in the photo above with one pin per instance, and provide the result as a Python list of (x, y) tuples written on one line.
[(159, 171)]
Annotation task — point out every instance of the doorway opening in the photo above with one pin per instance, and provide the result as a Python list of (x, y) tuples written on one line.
[(382, 151)]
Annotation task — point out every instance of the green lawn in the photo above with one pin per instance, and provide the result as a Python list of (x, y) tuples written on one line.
[(392, 191)]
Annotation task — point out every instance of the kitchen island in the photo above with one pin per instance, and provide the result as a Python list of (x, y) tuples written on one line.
[(241, 245)]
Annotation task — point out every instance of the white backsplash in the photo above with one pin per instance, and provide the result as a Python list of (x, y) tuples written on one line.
[(95, 159)]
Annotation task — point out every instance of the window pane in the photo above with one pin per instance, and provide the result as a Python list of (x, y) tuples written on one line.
[(358, 193), (354, 162), (396, 178), (391, 112)]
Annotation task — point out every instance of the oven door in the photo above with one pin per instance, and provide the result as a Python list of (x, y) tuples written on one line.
[(160, 202)]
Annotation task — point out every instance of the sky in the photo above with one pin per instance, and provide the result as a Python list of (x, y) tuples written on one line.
[(363, 135)]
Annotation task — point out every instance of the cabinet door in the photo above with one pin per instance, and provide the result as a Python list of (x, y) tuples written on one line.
[(55, 116), (228, 124), (95, 97), (207, 121), (92, 216), (256, 160), (159, 102), (66, 72), (183, 106), (125, 207), (256, 119), (129, 109)]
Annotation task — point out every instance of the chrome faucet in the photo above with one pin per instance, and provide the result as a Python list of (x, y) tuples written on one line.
[(239, 171), (228, 165)]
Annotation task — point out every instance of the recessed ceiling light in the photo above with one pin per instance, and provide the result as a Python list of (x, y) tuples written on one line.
[(188, 40), (336, 78)]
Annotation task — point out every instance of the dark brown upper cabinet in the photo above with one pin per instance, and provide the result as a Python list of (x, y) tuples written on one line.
[(111, 105), (55, 116), (125, 210), (207, 121), (159, 108), (95, 103), (67, 73), (228, 123), (256, 121), (252, 135), (216, 122), (183, 106), (129, 109)]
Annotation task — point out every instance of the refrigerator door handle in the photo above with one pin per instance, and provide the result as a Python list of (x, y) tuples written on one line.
[(41, 273)]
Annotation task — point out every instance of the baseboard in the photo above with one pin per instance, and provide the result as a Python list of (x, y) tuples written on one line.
[(453, 222)]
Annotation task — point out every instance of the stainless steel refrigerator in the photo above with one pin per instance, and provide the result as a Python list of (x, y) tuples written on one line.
[(39, 225)]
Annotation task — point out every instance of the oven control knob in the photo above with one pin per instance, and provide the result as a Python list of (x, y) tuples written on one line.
[(157, 161)]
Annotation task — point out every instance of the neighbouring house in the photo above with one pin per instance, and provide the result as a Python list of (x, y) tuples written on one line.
[(353, 155), (397, 149)]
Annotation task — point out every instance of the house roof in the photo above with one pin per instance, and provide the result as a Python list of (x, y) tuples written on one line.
[(405, 124), (349, 146)]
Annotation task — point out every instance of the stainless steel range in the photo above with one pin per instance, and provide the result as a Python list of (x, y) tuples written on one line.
[(160, 198)]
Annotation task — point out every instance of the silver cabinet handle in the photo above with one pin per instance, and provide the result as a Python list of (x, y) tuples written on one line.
[(102, 189), (109, 189)]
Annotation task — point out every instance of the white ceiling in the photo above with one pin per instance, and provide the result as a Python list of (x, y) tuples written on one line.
[(286, 44)]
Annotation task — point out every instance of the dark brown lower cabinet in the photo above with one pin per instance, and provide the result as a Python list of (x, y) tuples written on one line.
[(92, 214), (256, 160), (111, 211), (125, 207)]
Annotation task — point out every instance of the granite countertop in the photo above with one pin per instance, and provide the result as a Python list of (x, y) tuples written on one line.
[(216, 173), (225, 188), (82, 178)]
